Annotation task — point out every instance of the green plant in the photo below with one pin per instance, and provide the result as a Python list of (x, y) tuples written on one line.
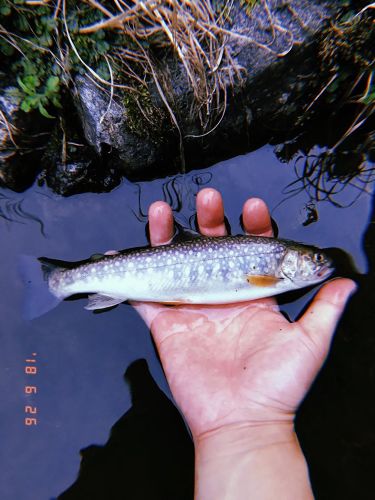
[(35, 48), (29, 34), (39, 96)]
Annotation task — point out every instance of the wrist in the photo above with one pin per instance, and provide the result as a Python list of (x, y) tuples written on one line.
[(251, 461), (243, 438)]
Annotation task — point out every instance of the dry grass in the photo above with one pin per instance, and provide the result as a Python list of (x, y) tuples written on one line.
[(191, 29), (196, 35)]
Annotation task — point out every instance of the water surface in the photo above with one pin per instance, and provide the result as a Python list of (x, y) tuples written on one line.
[(81, 356)]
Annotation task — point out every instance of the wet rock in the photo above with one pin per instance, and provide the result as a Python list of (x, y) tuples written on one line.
[(79, 177), (109, 128), (71, 166)]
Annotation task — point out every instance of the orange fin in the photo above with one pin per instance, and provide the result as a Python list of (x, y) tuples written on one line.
[(262, 280), (176, 302)]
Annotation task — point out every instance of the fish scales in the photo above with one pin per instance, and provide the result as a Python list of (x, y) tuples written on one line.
[(202, 270), (179, 265)]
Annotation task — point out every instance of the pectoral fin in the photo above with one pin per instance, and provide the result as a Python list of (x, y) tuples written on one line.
[(262, 280), (98, 301)]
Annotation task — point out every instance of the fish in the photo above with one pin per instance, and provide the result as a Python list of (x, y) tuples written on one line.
[(199, 270)]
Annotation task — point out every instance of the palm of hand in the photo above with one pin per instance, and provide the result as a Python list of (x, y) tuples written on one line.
[(246, 360)]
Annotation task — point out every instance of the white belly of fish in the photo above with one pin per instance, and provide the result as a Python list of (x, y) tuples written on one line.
[(177, 285)]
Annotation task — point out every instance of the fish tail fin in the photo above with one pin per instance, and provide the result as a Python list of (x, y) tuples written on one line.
[(34, 273)]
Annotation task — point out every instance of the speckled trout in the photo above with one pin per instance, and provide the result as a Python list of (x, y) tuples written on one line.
[(197, 271)]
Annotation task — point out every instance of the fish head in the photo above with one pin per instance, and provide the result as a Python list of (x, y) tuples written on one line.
[(305, 265)]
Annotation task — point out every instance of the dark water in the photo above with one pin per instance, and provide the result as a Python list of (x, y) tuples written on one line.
[(81, 357)]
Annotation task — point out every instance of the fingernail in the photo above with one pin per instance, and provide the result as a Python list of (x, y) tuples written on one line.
[(208, 196), (157, 208)]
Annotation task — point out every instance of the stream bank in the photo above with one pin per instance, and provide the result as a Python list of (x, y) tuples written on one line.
[(277, 71)]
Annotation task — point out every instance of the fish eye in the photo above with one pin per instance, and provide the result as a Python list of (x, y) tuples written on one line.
[(318, 257)]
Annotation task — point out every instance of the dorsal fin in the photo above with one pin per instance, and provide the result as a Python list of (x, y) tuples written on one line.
[(183, 233), (96, 256)]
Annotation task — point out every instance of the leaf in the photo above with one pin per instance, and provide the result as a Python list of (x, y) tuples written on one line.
[(25, 106), (52, 85), (56, 101), (24, 87), (44, 112), (29, 84), (30, 102), (33, 100), (5, 10)]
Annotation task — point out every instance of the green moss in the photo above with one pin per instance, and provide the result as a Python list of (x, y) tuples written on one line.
[(148, 120)]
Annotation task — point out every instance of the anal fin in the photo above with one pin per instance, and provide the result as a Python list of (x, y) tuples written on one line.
[(99, 301)]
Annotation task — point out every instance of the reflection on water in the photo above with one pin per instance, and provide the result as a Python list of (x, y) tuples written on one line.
[(12, 210), (324, 177), (179, 192), (81, 356)]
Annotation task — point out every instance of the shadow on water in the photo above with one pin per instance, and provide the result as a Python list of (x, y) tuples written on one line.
[(149, 453), (336, 422)]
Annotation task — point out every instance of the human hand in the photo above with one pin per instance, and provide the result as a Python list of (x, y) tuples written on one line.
[(239, 364)]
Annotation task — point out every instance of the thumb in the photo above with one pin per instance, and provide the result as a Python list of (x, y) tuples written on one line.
[(320, 320)]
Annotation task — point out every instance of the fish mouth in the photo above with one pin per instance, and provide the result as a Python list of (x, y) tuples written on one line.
[(324, 271)]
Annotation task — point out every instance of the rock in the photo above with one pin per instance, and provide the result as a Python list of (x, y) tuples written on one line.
[(70, 166), (79, 177), (108, 128), (274, 52)]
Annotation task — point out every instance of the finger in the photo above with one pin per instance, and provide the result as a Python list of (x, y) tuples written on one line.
[(160, 219), (256, 217), (321, 318), (210, 213)]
